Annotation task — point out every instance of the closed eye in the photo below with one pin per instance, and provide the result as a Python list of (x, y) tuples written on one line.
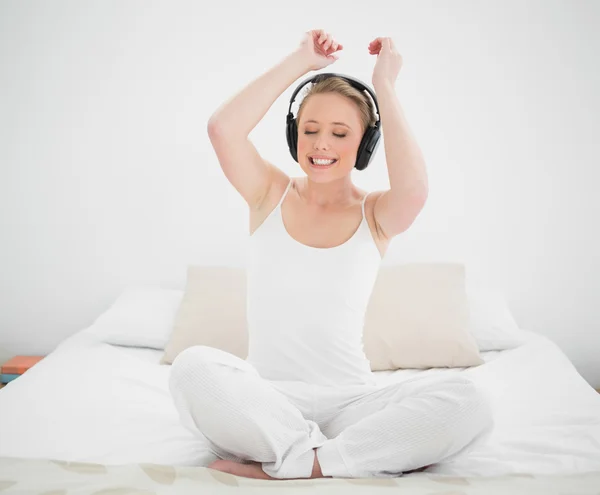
[(336, 135)]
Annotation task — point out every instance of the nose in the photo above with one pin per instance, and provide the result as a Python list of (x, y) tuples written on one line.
[(321, 144)]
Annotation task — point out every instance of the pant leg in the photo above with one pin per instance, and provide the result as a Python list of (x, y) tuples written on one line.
[(404, 426), (243, 416)]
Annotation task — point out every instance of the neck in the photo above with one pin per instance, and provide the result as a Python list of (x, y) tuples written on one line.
[(337, 192)]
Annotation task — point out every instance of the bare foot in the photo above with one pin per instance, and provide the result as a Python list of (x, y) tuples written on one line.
[(252, 470)]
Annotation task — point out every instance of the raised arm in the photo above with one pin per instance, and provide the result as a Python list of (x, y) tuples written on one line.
[(229, 126)]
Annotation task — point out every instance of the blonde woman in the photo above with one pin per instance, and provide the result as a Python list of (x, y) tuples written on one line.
[(304, 403)]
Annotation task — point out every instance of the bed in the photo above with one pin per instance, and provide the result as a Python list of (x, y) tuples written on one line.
[(94, 417)]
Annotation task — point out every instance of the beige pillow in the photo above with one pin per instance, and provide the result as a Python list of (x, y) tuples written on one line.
[(417, 317), (212, 312)]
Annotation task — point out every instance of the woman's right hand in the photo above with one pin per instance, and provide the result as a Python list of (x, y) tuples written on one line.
[(317, 49)]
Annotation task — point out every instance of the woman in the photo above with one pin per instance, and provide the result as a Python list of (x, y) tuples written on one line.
[(304, 403)]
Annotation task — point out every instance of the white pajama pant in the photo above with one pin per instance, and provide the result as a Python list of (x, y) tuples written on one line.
[(358, 431)]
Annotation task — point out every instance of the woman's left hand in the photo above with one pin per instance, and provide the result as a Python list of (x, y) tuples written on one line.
[(388, 63)]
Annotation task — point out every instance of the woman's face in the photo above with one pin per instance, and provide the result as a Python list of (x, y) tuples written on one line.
[(329, 128)]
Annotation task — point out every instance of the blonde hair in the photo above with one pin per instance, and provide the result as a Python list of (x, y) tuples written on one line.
[(340, 86)]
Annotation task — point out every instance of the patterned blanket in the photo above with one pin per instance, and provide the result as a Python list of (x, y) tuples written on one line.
[(45, 476)]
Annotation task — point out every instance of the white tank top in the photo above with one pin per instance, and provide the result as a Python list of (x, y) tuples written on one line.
[(306, 305)]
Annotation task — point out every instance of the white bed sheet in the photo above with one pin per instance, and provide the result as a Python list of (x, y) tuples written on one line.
[(93, 402)]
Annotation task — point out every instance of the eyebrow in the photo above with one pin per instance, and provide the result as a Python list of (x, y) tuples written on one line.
[(336, 123)]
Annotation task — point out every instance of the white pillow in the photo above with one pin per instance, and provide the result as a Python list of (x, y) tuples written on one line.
[(142, 316), (491, 322)]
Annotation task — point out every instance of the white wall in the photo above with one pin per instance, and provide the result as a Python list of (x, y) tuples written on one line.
[(108, 177)]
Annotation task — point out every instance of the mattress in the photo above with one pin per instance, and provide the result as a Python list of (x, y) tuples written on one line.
[(92, 402)]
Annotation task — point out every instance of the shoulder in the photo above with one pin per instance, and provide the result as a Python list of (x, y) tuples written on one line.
[(371, 199), (279, 183), (281, 179), (372, 196)]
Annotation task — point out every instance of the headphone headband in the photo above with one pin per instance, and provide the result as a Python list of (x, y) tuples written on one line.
[(355, 83)]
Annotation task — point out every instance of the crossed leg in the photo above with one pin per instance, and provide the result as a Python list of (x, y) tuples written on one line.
[(404, 427), (244, 417), (380, 433)]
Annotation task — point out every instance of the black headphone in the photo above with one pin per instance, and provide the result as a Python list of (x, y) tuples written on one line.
[(370, 140)]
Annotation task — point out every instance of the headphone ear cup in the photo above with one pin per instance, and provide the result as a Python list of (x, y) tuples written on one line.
[(367, 148), (292, 137)]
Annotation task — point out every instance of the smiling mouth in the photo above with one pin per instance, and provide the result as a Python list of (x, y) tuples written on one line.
[(322, 163)]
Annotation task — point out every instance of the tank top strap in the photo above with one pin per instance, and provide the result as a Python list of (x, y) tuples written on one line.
[(285, 193), (364, 200)]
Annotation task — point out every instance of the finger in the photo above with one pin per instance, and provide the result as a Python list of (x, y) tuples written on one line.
[(328, 43), (322, 37), (375, 45), (334, 45)]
